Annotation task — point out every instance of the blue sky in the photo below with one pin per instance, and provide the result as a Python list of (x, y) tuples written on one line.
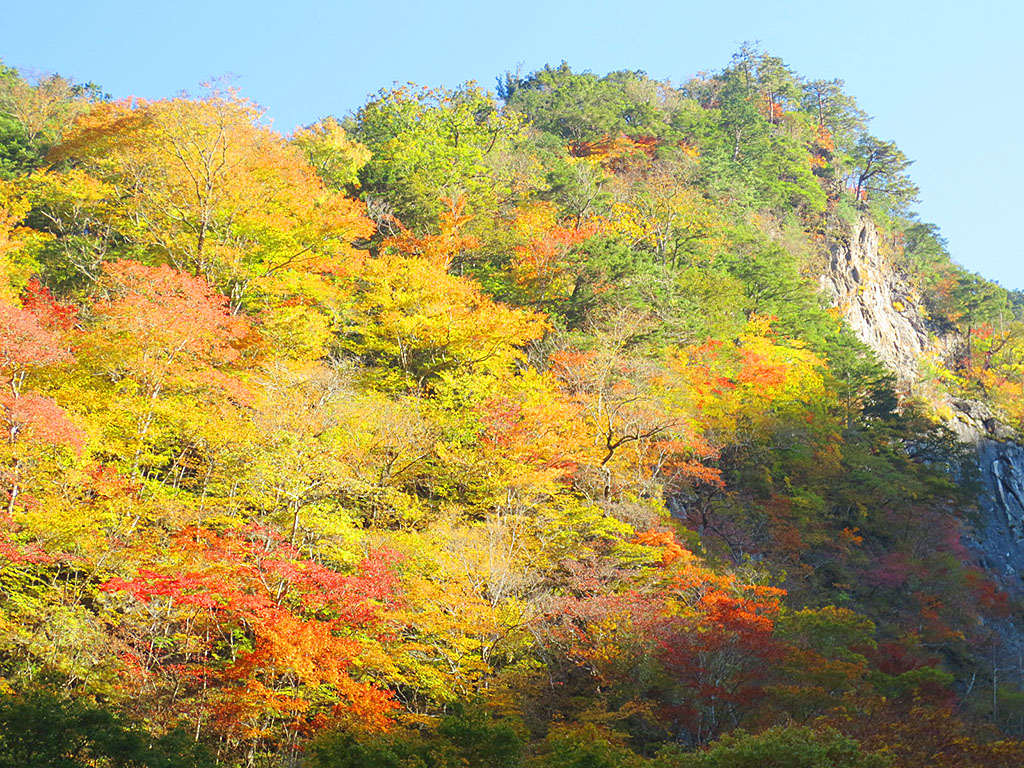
[(940, 78)]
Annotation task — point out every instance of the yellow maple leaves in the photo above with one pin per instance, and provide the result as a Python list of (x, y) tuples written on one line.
[(208, 188)]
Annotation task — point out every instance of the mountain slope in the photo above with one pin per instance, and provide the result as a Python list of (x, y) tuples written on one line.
[(467, 431)]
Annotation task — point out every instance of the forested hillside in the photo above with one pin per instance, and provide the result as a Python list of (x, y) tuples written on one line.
[(492, 430)]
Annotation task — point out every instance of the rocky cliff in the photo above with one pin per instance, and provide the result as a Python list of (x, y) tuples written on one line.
[(877, 301), (1000, 544), (885, 312)]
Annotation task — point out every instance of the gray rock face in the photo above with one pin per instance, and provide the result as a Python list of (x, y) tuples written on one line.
[(877, 302), (885, 314), (1000, 536)]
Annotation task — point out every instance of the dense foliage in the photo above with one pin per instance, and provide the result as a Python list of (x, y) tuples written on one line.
[(477, 431)]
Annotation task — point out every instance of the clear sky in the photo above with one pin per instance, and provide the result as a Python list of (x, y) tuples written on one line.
[(941, 78)]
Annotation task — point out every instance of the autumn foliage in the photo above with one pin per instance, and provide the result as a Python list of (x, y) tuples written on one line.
[(543, 450)]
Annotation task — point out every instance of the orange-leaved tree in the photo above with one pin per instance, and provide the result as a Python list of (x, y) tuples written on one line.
[(244, 635), (159, 332), (30, 421)]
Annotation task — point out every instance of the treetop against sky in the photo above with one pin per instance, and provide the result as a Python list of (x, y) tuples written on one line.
[(935, 76)]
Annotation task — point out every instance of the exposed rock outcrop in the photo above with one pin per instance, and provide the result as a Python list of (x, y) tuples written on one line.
[(1000, 536), (877, 302), (884, 311)]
